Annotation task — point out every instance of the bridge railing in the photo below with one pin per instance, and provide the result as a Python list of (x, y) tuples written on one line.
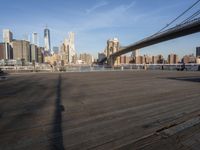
[(98, 68)]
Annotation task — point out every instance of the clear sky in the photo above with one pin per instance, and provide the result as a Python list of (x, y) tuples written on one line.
[(96, 21)]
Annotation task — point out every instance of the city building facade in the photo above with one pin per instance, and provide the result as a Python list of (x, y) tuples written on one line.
[(67, 50), (33, 53), (47, 41), (40, 54), (198, 52), (71, 47), (159, 59), (6, 51), (189, 59), (21, 50), (7, 36), (35, 40), (147, 59), (86, 58), (173, 59), (125, 59)]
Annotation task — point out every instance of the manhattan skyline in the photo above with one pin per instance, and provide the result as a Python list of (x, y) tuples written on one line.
[(94, 22)]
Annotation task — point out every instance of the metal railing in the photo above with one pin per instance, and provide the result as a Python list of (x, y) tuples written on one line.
[(96, 68)]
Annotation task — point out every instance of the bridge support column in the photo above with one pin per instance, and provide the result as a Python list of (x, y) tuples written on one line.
[(111, 62)]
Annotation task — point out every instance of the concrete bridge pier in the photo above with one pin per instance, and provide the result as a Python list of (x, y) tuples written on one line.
[(111, 61)]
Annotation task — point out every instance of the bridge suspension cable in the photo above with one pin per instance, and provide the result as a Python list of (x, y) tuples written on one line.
[(179, 16), (197, 13)]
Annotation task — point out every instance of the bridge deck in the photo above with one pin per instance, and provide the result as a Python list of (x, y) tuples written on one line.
[(172, 33), (105, 110)]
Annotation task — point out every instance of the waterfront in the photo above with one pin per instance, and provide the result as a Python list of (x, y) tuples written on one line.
[(98, 110), (97, 68)]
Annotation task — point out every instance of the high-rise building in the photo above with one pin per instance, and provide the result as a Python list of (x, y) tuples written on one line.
[(198, 52), (148, 59), (47, 42), (139, 60), (189, 59), (86, 58), (198, 60), (33, 53), (21, 50), (40, 54), (2, 51), (173, 59), (186, 59), (7, 36), (125, 59), (64, 53), (67, 49), (5, 51), (157, 59), (35, 39), (72, 51), (135, 53)]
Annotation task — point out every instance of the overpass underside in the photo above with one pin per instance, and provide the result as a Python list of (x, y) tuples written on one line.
[(173, 33)]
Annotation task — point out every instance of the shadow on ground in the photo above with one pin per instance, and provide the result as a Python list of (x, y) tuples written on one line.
[(57, 143), (189, 79)]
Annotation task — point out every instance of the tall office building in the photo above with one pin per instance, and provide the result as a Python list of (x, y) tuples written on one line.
[(6, 51), (198, 52), (173, 59), (159, 59), (2, 51), (86, 58), (68, 51), (40, 55), (125, 59), (47, 42), (35, 39), (136, 53), (21, 50), (136, 56), (33, 53), (149, 59), (72, 51), (7, 36)]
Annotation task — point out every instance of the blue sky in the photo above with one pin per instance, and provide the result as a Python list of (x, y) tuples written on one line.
[(96, 21)]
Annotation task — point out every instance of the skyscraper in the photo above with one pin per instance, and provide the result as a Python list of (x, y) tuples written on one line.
[(33, 53), (72, 51), (86, 58), (7, 36), (136, 56), (35, 39), (21, 50), (68, 49), (135, 53), (173, 59), (198, 52), (47, 42)]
